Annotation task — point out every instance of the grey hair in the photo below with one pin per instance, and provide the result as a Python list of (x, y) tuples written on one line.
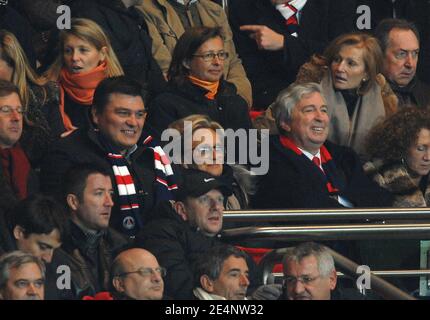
[(288, 98), (210, 263), (16, 259), (320, 252)]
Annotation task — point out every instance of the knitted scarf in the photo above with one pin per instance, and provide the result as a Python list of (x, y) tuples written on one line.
[(79, 87), (289, 11), (211, 87), (128, 200), (16, 169), (329, 175)]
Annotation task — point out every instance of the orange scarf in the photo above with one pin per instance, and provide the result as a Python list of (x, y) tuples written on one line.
[(80, 88), (211, 87)]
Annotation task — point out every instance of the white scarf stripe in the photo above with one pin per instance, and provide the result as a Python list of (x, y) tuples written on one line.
[(126, 189)]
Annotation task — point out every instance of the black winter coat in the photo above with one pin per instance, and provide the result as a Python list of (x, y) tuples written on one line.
[(127, 31), (228, 108), (271, 71), (84, 147), (294, 182)]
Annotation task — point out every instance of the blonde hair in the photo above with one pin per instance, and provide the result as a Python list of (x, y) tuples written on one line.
[(13, 54), (198, 121), (89, 31)]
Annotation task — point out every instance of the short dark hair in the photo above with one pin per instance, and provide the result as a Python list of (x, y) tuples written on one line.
[(210, 263), (120, 84), (186, 47), (39, 214), (7, 88), (76, 177), (384, 28)]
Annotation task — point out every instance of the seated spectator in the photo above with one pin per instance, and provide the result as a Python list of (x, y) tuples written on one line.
[(357, 94), (167, 20), (399, 147), (222, 274), (176, 237), (207, 154), (309, 274), (136, 275), (275, 37), (399, 40), (126, 29), (35, 226), (22, 277), (196, 85), (39, 98), (85, 59), (89, 246), (306, 170), (17, 179), (119, 114)]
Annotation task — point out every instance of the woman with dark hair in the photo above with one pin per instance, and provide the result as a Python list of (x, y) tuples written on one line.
[(356, 93), (400, 151), (196, 85)]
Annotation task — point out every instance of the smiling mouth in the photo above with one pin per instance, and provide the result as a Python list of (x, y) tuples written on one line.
[(318, 129), (129, 132)]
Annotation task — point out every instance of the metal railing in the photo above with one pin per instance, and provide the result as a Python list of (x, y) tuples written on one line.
[(327, 215)]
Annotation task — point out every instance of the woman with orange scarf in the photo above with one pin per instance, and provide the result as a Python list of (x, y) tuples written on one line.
[(196, 84), (86, 58)]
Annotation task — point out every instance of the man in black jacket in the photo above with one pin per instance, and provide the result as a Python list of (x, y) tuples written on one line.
[(305, 170), (399, 41), (138, 169), (90, 245), (275, 37)]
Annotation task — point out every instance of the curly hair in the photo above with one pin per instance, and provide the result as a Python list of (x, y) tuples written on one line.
[(391, 139)]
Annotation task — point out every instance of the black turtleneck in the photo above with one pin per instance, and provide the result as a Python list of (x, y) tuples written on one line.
[(350, 97), (405, 94)]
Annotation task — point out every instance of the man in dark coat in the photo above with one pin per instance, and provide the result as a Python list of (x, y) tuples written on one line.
[(17, 179), (90, 245), (127, 32), (139, 171), (181, 234), (272, 49), (305, 170), (399, 40)]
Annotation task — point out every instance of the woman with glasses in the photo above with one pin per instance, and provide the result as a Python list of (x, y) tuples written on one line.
[(205, 152), (196, 84), (86, 58), (39, 98)]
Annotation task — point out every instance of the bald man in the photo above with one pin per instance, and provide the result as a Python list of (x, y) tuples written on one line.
[(137, 275)]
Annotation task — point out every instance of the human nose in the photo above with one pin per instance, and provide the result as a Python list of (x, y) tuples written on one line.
[(299, 287), (15, 115), (75, 55), (132, 120), (31, 289), (244, 281), (47, 256), (427, 155), (108, 200)]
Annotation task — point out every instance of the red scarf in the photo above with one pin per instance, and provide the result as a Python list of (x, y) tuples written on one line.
[(16, 169), (80, 88), (211, 87), (326, 162)]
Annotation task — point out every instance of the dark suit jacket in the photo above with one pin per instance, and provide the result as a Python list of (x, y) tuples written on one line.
[(295, 182), (270, 72)]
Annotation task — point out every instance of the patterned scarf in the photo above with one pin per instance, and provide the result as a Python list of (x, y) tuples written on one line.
[(16, 169), (289, 11), (80, 88), (128, 200), (329, 168)]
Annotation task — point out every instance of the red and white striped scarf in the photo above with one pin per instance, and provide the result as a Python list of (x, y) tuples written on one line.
[(289, 11)]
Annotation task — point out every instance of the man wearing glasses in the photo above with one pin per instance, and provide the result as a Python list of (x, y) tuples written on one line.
[(137, 275), (17, 180)]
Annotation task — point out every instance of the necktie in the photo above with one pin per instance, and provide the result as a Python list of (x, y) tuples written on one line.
[(317, 162)]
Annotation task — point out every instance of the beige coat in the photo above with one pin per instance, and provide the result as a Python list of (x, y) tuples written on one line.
[(165, 28)]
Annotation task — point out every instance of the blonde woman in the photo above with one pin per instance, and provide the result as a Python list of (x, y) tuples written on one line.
[(86, 58), (39, 97)]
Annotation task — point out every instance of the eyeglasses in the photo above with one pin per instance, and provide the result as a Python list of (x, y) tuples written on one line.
[(206, 149), (146, 272), (208, 201), (211, 55), (7, 110), (306, 280)]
